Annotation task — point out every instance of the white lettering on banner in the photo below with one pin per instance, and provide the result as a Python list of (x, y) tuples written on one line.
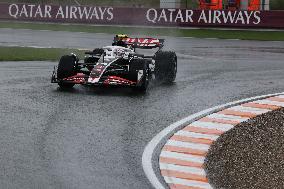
[(163, 16), (202, 17), (257, 17), (85, 13), (102, 11), (229, 17), (248, 16), (152, 15), (179, 16), (66, 12), (13, 10), (95, 13), (210, 18), (240, 18), (169, 15), (189, 14), (24, 12), (216, 17), (62, 12), (110, 14), (205, 16), (73, 11), (30, 11), (47, 10), (38, 12)]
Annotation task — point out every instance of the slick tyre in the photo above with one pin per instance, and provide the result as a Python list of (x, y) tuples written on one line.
[(66, 68), (140, 66), (165, 66)]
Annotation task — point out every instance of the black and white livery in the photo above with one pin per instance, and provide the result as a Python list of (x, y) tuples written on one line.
[(118, 65)]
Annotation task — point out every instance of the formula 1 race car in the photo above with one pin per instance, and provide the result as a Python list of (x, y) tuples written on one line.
[(118, 65)]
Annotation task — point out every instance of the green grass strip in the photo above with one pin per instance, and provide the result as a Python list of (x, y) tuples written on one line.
[(176, 32), (35, 54)]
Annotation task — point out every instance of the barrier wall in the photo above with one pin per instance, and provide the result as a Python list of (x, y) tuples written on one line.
[(142, 16)]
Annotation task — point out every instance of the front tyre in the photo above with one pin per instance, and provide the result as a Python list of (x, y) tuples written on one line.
[(165, 66), (66, 68)]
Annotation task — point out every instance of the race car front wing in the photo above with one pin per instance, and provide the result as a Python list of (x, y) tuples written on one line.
[(84, 79)]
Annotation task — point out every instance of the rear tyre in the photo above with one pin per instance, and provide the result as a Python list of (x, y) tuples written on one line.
[(165, 66), (137, 66), (66, 68)]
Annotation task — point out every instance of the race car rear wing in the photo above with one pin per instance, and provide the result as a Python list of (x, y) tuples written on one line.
[(142, 43)]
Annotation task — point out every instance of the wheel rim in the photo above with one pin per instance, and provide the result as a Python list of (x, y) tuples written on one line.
[(175, 67)]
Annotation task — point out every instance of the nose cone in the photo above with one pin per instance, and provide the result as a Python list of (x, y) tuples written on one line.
[(96, 73)]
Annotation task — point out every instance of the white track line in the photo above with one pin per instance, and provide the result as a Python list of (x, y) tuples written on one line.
[(196, 135), (181, 156), (281, 96), (249, 109), (270, 102), (201, 185), (211, 125), (195, 146), (227, 117), (183, 169)]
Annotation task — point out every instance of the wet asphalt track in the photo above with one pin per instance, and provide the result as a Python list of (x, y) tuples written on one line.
[(86, 138)]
